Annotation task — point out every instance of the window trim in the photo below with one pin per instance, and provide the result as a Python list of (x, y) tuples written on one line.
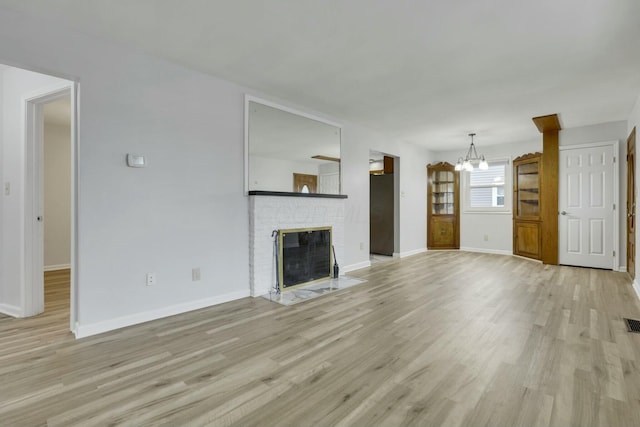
[(508, 204)]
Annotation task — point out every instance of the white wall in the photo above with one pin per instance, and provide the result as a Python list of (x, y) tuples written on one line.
[(57, 194), (17, 86), (355, 183), (187, 208)]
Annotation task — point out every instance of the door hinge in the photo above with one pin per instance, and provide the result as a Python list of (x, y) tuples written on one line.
[(614, 206), (614, 253)]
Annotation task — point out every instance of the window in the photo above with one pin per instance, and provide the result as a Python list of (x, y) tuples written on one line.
[(485, 189)]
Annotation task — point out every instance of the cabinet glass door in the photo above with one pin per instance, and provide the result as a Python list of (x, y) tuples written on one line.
[(443, 191), (528, 193)]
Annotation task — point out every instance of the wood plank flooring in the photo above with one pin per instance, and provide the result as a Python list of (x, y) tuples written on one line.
[(436, 339)]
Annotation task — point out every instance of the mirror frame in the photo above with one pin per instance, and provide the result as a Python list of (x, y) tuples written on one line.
[(250, 98)]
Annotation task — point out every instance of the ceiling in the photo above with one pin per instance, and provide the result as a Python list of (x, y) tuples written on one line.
[(427, 72)]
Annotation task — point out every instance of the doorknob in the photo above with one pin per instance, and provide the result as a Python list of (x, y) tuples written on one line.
[(563, 213)]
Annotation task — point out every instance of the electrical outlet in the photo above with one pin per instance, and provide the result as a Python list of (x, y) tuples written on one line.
[(151, 279), (195, 274), (486, 237)]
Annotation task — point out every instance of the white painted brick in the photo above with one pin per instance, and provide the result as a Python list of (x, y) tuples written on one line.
[(268, 213)]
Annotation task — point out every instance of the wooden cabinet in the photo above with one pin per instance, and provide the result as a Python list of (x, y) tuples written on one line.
[(527, 224), (443, 207)]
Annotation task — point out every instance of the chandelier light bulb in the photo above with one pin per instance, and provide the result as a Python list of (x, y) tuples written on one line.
[(483, 164)]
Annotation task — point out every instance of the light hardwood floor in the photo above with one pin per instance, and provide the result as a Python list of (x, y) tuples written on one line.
[(441, 338)]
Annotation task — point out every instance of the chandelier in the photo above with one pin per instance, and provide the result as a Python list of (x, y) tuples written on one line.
[(471, 157)]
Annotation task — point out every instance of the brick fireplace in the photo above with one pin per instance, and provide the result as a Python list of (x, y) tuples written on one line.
[(269, 211)]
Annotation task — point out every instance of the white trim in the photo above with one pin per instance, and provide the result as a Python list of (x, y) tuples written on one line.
[(250, 98), (10, 310), (410, 253), (615, 145), (357, 266), (486, 251), (622, 269), (616, 202), (75, 185), (589, 145), (134, 319), (57, 267), (636, 287)]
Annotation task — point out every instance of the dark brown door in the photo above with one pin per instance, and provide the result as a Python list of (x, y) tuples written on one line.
[(300, 180), (631, 204)]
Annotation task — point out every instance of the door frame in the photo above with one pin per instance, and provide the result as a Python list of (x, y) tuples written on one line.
[(33, 285), (631, 210), (616, 194)]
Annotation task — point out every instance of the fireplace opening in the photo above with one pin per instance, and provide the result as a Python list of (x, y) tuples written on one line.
[(304, 256)]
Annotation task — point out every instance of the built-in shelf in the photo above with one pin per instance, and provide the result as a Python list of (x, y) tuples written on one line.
[(527, 233), (443, 210), (291, 194)]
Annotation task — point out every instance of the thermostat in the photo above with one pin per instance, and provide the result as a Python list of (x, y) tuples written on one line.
[(136, 161)]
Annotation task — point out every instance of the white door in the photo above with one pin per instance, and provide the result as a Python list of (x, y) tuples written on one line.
[(586, 204)]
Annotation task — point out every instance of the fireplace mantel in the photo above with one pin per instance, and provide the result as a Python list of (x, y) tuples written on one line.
[(291, 194)]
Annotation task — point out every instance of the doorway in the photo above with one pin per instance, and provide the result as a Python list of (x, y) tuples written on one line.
[(56, 138), (631, 204), (383, 206), (588, 196), (50, 199)]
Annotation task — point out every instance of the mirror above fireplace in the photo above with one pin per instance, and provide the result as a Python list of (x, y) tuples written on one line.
[(289, 151)]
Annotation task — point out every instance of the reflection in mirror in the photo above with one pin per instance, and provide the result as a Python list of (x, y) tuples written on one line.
[(291, 153)]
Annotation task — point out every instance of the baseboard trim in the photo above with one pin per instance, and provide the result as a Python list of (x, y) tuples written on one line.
[(636, 287), (10, 310), (622, 269), (487, 251), (134, 319), (357, 266), (411, 253), (57, 267)]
